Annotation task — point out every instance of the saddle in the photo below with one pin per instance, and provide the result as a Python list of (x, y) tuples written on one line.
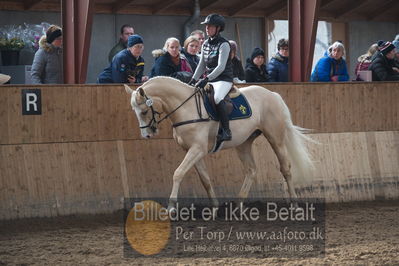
[(237, 105), (210, 93)]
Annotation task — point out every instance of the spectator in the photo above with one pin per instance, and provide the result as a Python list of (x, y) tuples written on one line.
[(278, 65), (382, 65), (396, 44), (190, 51), (127, 66), (170, 62), (4, 79), (331, 67), (47, 63), (126, 31), (200, 36), (364, 61), (255, 70), (238, 70)]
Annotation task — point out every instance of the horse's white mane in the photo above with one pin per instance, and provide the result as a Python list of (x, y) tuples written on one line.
[(161, 80)]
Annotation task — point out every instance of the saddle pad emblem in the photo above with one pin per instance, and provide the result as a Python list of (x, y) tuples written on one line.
[(243, 109)]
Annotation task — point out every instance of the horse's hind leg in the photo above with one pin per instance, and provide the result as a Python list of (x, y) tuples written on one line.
[(206, 181), (244, 152), (285, 166)]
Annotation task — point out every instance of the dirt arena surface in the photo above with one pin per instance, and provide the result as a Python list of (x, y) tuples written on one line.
[(357, 233)]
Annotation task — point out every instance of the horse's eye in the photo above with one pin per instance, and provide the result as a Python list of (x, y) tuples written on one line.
[(144, 112)]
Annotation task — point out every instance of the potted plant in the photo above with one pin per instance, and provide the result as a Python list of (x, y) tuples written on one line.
[(11, 43), (14, 38)]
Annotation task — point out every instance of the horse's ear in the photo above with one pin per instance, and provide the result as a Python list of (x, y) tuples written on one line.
[(128, 89), (141, 92), (140, 95)]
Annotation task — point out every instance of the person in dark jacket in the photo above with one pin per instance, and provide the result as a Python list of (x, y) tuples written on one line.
[(238, 70), (47, 63), (216, 67), (190, 51), (383, 66), (127, 66), (396, 44), (126, 31), (278, 65), (255, 70), (170, 62), (331, 67)]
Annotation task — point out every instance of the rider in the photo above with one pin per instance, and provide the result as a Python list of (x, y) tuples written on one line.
[(215, 62)]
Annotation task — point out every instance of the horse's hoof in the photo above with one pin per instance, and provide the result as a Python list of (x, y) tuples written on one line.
[(215, 203), (296, 206)]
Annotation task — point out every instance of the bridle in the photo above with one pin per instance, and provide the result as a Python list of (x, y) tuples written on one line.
[(153, 122)]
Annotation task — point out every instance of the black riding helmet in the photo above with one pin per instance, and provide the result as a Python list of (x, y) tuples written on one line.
[(216, 20)]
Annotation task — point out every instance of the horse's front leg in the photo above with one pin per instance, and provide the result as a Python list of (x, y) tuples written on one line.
[(206, 181), (194, 154)]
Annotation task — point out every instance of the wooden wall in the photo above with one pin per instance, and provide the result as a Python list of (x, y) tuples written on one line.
[(84, 153), (98, 113)]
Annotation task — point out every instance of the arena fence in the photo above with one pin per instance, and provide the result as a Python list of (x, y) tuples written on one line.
[(81, 152)]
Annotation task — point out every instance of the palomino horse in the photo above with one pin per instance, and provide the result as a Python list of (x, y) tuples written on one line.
[(270, 117)]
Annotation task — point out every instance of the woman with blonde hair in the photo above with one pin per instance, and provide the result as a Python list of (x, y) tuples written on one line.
[(364, 61), (190, 50), (170, 62), (47, 63)]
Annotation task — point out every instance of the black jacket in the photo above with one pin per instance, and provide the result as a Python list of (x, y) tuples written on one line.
[(254, 74), (238, 70), (210, 52), (164, 66), (382, 68)]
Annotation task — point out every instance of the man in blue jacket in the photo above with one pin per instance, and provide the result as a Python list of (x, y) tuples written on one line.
[(278, 65), (127, 66)]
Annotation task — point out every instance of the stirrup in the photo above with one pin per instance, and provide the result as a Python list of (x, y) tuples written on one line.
[(224, 135)]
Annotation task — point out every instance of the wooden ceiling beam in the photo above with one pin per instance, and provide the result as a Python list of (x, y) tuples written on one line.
[(275, 8), (121, 4), (28, 4), (381, 10), (207, 3), (326, 3), (242, 6), (350, 7), (164, 4)]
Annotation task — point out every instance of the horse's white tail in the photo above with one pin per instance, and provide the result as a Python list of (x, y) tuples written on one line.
[(301, 160)]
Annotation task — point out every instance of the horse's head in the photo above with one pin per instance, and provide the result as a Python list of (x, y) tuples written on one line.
[(146, 111)]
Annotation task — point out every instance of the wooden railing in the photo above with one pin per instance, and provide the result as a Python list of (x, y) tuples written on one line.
[(84, 153)]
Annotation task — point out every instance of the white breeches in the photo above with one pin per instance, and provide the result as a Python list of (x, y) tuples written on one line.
[(221, 89)]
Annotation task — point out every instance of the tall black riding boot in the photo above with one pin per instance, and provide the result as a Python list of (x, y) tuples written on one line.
[(224, 121)]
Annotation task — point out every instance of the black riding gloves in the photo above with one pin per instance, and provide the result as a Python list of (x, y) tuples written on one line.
[(201, 83), (192, 82)]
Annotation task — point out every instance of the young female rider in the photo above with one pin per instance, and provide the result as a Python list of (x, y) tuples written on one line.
[(215, 62)]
